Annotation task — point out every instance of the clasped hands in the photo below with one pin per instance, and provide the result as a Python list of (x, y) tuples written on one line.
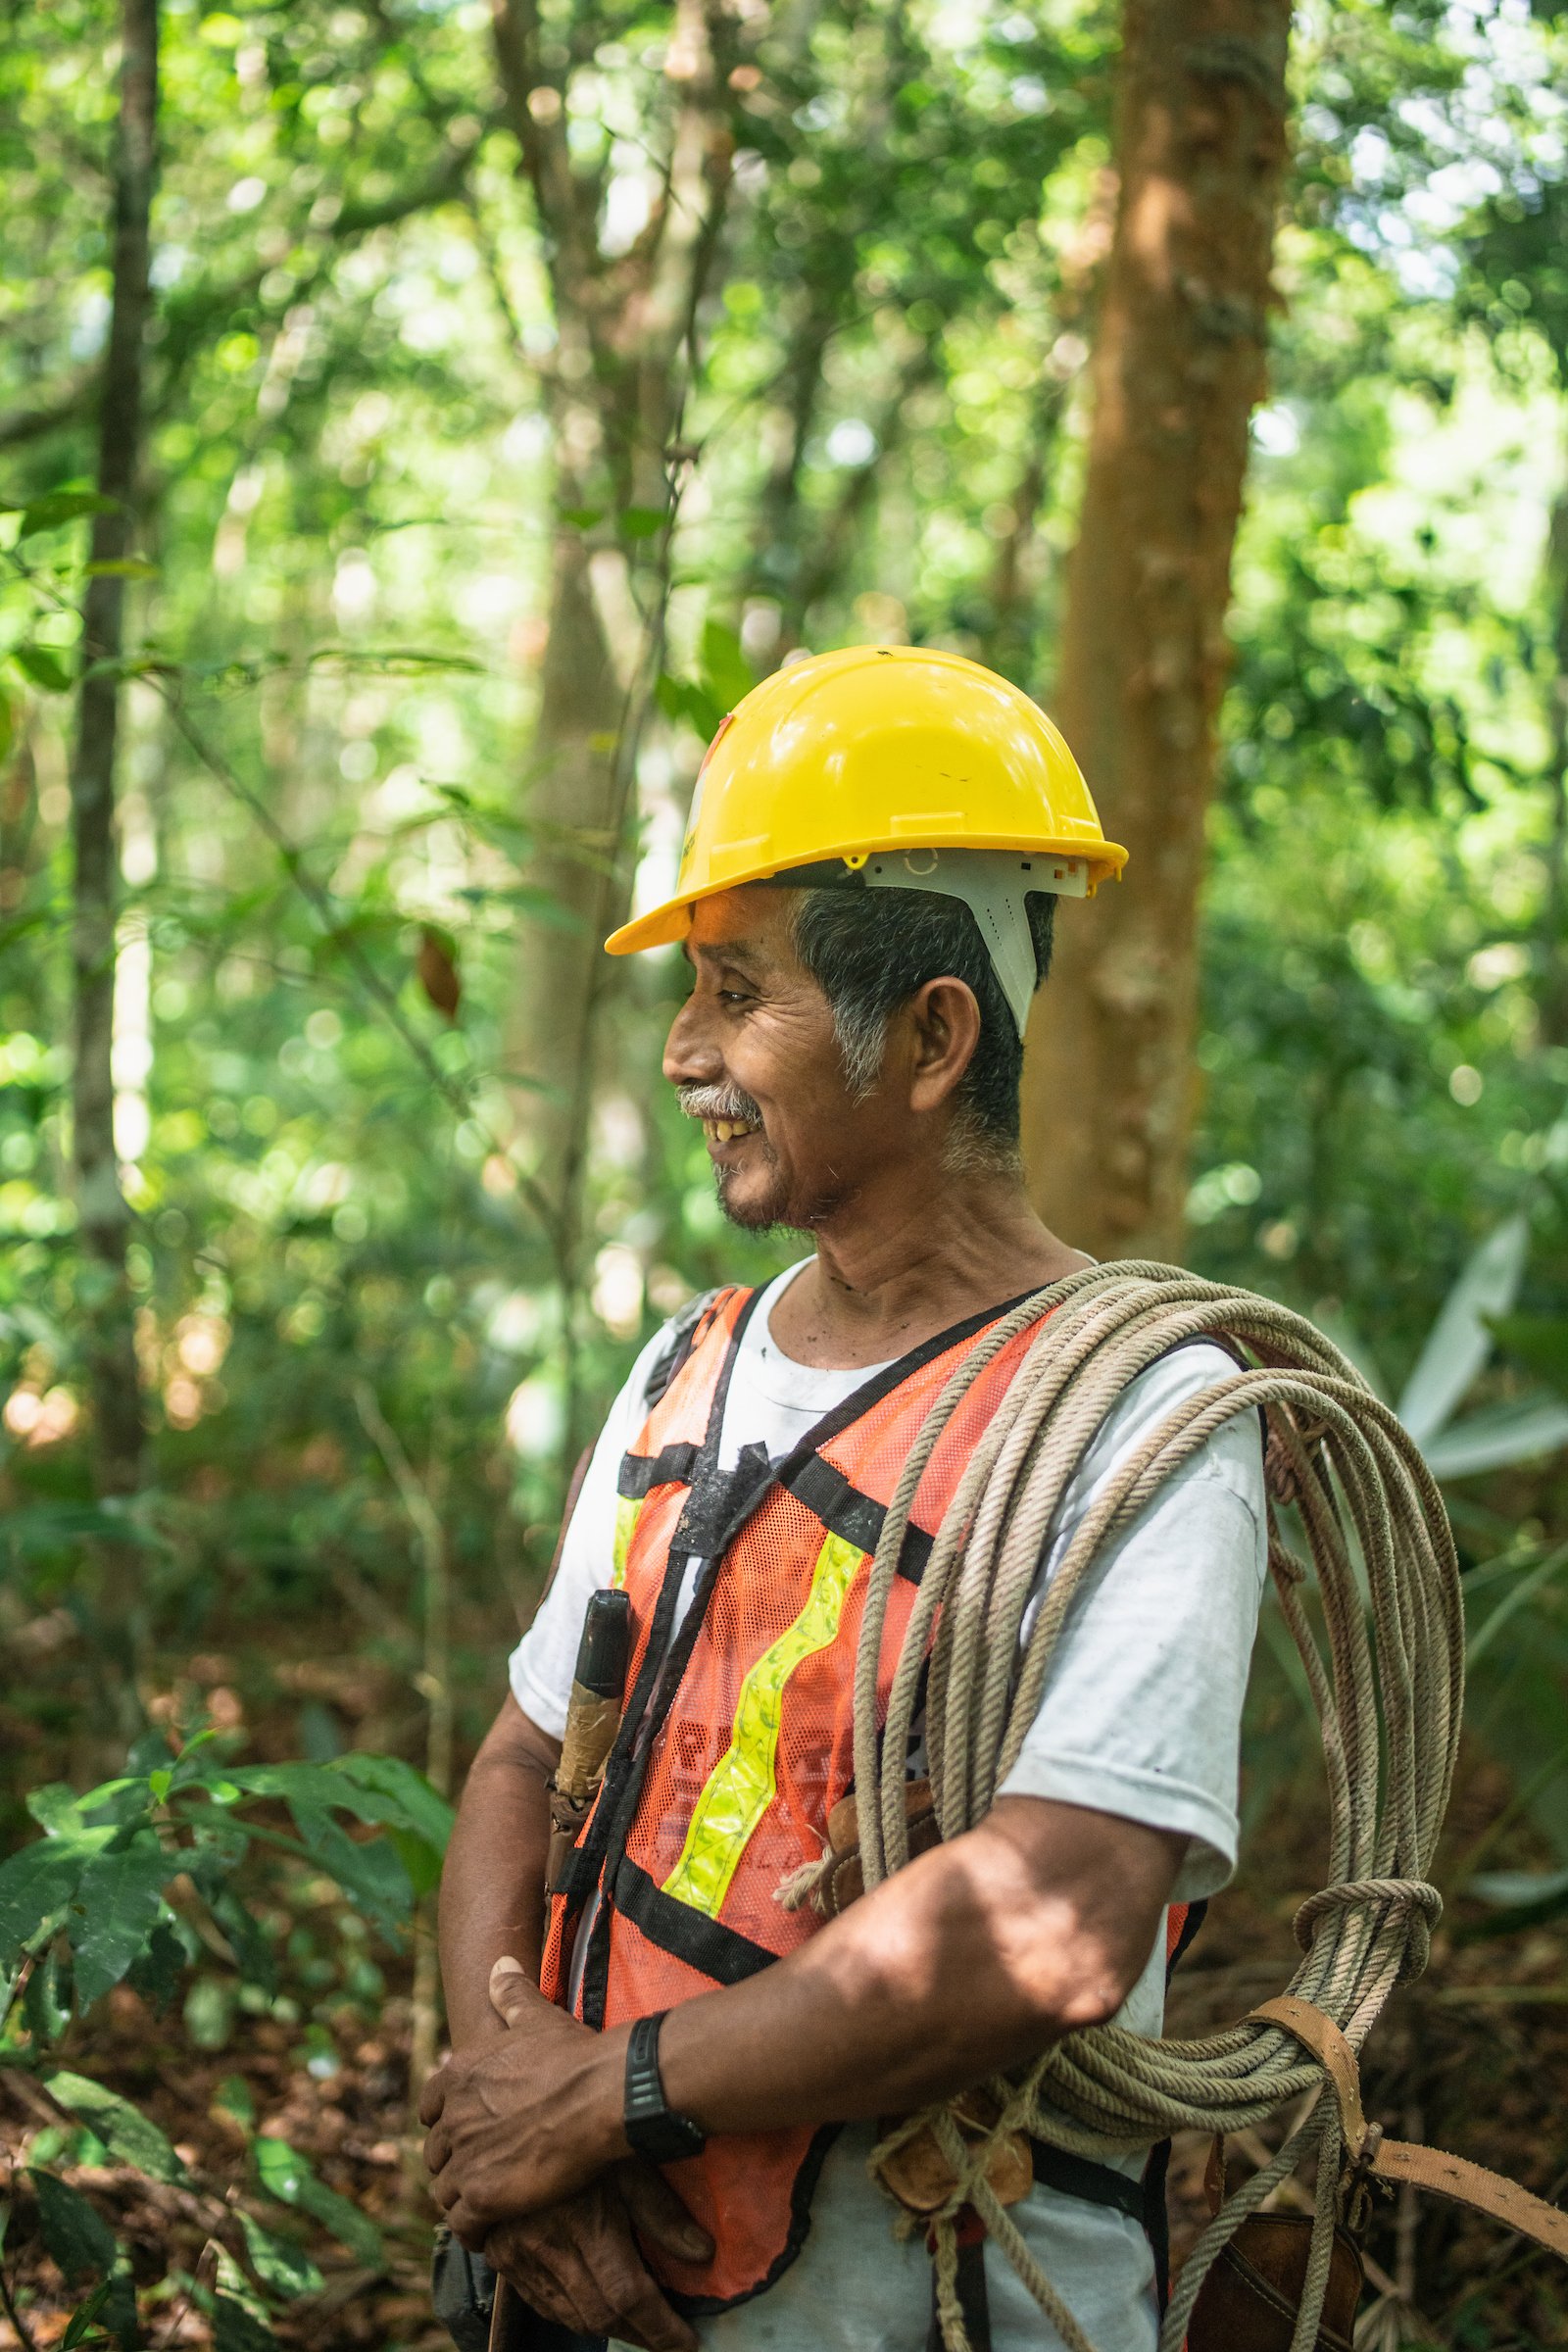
[(529, 2163)]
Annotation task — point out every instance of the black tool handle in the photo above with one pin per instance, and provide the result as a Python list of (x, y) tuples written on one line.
[(605, 1650)]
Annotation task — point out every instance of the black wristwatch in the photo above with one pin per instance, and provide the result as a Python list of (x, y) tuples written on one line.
[(653, 2127)]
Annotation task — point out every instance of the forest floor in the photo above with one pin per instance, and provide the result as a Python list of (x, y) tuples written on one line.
[(1473, 2058)]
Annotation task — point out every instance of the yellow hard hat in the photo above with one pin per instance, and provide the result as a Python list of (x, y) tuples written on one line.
[(883, 748)]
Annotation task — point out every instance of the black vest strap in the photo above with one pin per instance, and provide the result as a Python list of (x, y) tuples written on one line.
[(704, 1942), (673, 1466), (627, 1765), (716, 1509), (1080, 2176), (845, 1511)]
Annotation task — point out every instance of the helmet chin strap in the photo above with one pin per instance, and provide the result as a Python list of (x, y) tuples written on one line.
[(995, 885)]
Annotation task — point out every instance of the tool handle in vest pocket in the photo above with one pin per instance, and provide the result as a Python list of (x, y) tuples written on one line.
[(592, 1718)]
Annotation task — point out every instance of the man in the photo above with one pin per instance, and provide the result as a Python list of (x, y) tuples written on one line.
[(865, 900)]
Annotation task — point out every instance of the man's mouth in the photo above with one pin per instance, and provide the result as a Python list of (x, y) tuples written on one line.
[(727, 1115)]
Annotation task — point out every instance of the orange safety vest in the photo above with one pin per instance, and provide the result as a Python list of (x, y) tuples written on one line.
[(737, 1737)]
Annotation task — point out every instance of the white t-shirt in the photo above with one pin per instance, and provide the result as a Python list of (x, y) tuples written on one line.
[(1139, 1716)]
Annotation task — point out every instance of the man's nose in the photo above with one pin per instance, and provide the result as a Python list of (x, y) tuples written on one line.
[(691, 1051)]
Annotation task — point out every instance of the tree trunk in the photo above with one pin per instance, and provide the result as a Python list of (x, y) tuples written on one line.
[(1552, 989), (1178, 364), (573, 808), (616, 391), (106, 1301)]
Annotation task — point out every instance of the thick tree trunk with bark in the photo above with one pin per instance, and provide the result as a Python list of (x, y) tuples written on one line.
[(106, 1303), (1178, 365)]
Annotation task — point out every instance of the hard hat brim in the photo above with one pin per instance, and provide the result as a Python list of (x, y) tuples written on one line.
[(662, 926)]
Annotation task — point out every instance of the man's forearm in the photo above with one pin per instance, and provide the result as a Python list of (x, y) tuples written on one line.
[(960, 1966), (492, 1886), (974, 1959)]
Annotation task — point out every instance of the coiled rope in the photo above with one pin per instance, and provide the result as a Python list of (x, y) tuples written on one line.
[(1389, 1692)]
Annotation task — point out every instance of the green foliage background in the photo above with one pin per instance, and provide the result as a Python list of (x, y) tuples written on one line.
[(338, 615)]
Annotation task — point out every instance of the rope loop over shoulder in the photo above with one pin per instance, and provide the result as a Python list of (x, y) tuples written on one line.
[(1373, 1610)]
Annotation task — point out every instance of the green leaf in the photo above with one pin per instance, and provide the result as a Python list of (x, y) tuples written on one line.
[(156, 1971), (59, 1527), (640, 523), (582, 519), (124, 1803), (277, 2263), (1540, 1343), (77, 2236), (209, 2012), (56, 506), (118, 1900), (681, 700), (370, 1873), (1510, 1890), (288, 2175), (387, 1790), (43, 666), (234, 2096), (46, 2003), (313, 1785), (253, 1950), (84, 2328), (1517, 1918), (236, 2329), (120, 567), (1521, 1430), (421, 1862), (1459, 1341), (54, 1807), (123, 2129), (726, 672), (35, 1886)]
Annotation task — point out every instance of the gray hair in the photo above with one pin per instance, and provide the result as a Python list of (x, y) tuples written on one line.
[(869, 951)]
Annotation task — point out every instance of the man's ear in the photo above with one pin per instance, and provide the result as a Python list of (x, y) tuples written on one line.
[(945, 1024)]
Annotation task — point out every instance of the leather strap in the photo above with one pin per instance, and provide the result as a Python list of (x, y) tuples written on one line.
[(1328, 2045), (1402, 2160), (1472, 2185)]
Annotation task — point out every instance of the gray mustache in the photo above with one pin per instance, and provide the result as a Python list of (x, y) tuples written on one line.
[(718, 1102)]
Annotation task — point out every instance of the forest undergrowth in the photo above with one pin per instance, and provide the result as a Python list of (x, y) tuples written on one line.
[(1473, 2058)]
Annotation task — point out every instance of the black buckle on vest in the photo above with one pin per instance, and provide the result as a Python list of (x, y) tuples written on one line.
[(719, 1503)]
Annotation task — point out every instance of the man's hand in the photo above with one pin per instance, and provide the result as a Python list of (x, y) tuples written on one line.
[(579, 2263), (518, 2124)]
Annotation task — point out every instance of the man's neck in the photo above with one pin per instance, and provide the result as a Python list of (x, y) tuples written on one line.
[(891, 1273)]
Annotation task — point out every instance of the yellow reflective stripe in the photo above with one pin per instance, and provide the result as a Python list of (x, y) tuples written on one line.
[(742, 1784), (627, 1508)]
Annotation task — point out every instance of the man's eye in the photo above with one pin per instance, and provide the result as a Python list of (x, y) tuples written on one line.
[(735, 996)]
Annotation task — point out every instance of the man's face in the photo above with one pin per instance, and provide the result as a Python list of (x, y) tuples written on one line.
[(754, 1054)]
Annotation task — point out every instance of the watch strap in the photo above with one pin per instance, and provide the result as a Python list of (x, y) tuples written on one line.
[(653, 2127)]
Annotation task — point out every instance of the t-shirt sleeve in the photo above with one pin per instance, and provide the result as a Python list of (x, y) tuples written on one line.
[(1141, 1710), (542, 1664)]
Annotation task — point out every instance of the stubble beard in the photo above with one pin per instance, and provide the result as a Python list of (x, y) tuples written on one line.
[(775, 1208)]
